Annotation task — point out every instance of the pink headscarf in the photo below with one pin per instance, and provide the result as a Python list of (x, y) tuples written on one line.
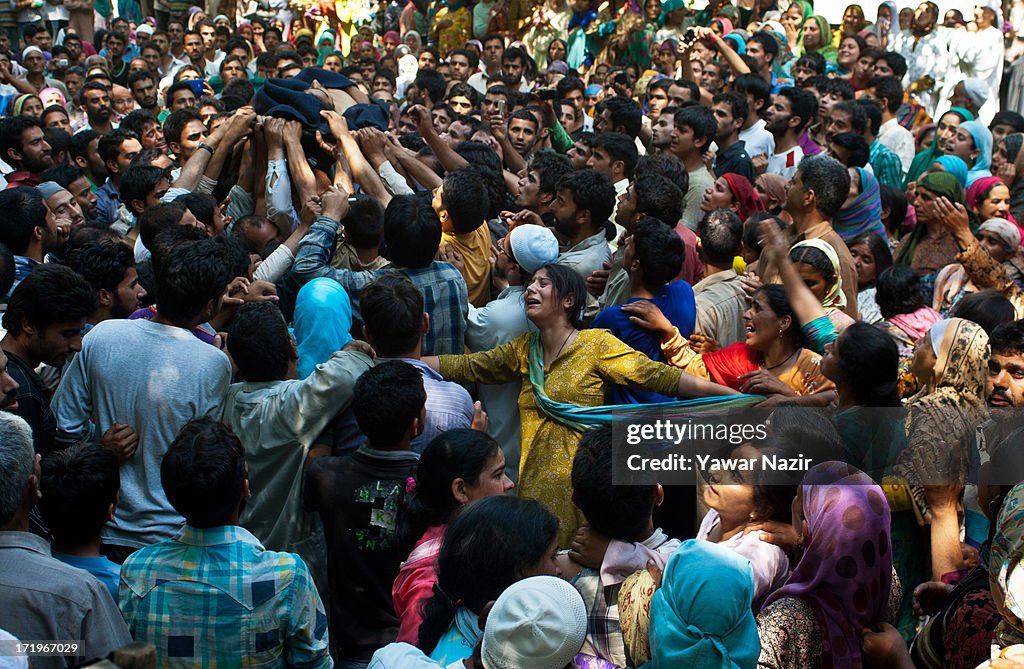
[(726, 24), (983, 185), (845, 573)]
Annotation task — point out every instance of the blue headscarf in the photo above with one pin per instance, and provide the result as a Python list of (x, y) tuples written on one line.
[(700, 616), (982, 140), (956, 166), (323, 318), (864, 215)]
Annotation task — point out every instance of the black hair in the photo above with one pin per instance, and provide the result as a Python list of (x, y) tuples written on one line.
[(767, 42), (663, 166), (386, 400), (412, 231), (772, 501), (895, 200), (58, 139), (489, 546), (468, 54), (897, 63), (858, 115), (79, 143), (139, 181), (830, 181), (620, 512), (879, 248), (690, 86), (721, 233), (805, 430), (109, 147), (756, 86), (524, 115), (50, 294), (104, 265), (659, 198), (1010, 118), (141, 75), (802, 104), (550, 168), (7, 269), (1007, 338), (751, 233), (624, 113), (392, 310), (364, 223), (778, 302), (158, 218), (568, 283), (873, 113), (858, 147), (988, 308), (433, 82), (259, 343), (898, 291), (202, 205), (25, 211), (137, 121), (568, 84), (78, 487), (232, 58), (454, 454), (54, 109), (736, 102), (702, 121), (840, 87), (63, 175), (591, 191), (203, 473), (11, 129), (619, 147), (869, 360), (812, 61), (659, 250), (889, 92), (465, 200), (816, 259), (192, 276)]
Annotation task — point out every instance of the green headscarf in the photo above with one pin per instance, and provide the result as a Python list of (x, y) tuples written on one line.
[(923, 161), (942, 184), (827, 51), (807, 11), (667, 7)]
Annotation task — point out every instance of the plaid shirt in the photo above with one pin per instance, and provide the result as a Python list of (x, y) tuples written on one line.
[(216, 598), (445, 296), (886, 165)]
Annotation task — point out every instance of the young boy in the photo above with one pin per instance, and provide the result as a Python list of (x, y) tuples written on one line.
[(357, 498), (461, 202), (613, 512), (79, 491), (359, 248)]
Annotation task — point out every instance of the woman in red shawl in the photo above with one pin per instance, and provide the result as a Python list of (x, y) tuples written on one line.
[(732, 191), (772, 360)]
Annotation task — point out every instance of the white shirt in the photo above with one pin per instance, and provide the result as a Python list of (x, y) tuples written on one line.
[(785, 164), (899, 140), (757, 140)]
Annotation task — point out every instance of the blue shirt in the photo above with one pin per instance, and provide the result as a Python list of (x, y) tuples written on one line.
[(23, 266), (676, 301), (108, 202), (109, 573), (449, 405), (215, 597)]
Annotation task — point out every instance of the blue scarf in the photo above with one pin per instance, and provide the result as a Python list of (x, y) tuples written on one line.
[(580, 418)]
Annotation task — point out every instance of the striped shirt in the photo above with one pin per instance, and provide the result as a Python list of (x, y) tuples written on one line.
[(216, 598), (886, 165)]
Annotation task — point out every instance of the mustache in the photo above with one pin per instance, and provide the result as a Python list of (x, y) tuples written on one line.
[(1000, 393)]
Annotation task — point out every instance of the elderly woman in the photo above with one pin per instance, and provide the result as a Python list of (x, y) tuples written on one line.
[(997, 236), (929, 247), (1005, 159), (564, 370)]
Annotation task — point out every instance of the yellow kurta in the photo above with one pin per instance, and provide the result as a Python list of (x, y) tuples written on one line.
[(582, 374)]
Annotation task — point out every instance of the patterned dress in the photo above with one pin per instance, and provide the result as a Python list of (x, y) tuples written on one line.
[(582, 374)]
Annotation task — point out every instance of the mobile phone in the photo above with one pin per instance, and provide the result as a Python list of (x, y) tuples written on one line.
[(197, 87), (547, 93), (501, 106)]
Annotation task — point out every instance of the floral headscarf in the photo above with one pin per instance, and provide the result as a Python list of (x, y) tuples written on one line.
[(845, 573)]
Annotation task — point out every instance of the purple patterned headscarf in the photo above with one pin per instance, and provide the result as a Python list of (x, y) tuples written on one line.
[(845, 573)]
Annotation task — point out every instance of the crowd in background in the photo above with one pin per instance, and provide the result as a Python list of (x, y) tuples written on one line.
[(319, 321)]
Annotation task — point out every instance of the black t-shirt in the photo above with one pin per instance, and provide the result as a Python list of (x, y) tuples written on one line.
[(735, 160), (357, 497), (33, 403)]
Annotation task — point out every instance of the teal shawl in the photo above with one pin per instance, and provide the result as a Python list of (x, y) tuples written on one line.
[(580, 418)]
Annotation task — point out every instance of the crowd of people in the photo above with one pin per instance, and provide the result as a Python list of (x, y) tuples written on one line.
[(319, 320)]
